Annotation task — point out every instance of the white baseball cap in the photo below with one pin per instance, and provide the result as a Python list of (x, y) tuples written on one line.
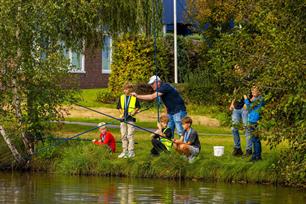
[(102, 125), (153, 79)]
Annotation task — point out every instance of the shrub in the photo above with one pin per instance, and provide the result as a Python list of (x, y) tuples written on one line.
[(133, 59), (106, 96)]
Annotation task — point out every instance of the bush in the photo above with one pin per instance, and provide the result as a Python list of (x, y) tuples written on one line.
[(106, 96), (133, 59)]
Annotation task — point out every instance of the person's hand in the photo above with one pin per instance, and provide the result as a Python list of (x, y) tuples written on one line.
[(94, 140), (245, 97), (231, 107)]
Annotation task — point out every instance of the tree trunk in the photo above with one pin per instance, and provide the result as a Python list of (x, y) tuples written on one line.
[(13, 149), (16, 105), (16, 99)]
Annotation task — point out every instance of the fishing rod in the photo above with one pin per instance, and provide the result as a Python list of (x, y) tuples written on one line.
[(121, 120), (72, 138), (81, 139)]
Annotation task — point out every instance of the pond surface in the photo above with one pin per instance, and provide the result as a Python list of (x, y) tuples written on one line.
[(46, 188)]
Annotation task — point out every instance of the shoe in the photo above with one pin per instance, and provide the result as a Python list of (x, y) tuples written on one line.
[(237, 152), (191, 159), (123, 155), (131, 154), (254, 159), (248, 152)]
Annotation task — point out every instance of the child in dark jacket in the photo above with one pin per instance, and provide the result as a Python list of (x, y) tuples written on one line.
[(163, 143)]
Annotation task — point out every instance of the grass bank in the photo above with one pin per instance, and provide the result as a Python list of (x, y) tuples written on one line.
[(84, 158)]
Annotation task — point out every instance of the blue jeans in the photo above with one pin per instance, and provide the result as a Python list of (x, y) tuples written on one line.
[(175, 121), (237, 116), (255, 141)]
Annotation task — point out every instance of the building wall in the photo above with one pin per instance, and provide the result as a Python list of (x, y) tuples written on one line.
[(93, 77)]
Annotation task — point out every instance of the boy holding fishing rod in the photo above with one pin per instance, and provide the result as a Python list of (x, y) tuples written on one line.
[(163, 143)]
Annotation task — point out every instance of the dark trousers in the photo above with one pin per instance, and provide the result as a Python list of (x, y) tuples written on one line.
[(158, 147)]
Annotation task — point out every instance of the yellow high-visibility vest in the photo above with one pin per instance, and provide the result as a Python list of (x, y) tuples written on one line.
[(166, 142), (131, 105)]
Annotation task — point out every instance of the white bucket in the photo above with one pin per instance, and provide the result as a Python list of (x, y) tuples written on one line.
[(218, 151)]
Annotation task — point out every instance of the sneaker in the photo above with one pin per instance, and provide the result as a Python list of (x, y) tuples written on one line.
[(248, 152), (131, 154), (123, 155), (191, 159), (237, 152)]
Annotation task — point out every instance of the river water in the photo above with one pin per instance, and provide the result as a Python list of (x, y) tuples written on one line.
[(46, 188)]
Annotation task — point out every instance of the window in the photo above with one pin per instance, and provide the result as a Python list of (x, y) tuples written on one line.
[(107, 54), (77, 61)]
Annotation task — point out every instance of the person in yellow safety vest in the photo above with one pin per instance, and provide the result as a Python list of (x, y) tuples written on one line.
[(128, 107), (163, 143)]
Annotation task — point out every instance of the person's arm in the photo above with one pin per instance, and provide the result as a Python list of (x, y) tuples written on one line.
[(148, 97), (246, 100), (119, 107), (137, 107), (168, 133), (232, 105), (179, 141)]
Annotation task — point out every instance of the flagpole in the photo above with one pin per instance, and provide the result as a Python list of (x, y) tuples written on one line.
[(175, 42)]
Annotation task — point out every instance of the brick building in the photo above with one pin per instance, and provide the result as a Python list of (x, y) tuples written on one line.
[(92, 68)]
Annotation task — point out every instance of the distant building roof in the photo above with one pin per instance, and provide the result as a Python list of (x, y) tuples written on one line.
[(168, 11)]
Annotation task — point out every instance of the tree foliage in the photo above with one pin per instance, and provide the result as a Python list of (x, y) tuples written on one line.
[(268, 43), (133, 59), (35, 80)]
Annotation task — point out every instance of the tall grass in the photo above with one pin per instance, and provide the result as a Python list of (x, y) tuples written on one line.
[(84, 158)]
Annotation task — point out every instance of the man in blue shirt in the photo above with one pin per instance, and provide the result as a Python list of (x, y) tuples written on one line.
[(174, 103)]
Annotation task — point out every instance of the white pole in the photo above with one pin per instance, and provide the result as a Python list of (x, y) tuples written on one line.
[(175, 42)]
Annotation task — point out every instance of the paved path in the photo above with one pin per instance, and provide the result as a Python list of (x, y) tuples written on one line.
[(137, 129)]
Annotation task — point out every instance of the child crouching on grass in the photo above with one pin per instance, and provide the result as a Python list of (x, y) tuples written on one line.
[(164, 143), (189, 144), (106, 138)]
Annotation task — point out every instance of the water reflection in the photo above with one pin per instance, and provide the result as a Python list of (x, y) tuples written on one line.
[(30, 188)]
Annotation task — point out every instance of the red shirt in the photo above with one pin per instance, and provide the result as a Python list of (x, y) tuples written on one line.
[(108, 140)]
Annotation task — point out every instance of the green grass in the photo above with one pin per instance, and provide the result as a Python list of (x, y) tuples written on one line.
[(144, 124), (89, 96), (89, 100), (84, 158)]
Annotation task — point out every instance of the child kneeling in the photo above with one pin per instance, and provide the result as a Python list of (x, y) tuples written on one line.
[(106, 138), (161, 140), (189, 144)]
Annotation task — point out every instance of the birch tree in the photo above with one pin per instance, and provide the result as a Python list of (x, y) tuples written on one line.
[(32, 64)]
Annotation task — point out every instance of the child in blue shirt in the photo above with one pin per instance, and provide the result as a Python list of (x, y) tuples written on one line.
[(254, 106)]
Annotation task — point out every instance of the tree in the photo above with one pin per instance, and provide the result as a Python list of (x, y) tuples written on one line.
[(32, 65), (268, 43)]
